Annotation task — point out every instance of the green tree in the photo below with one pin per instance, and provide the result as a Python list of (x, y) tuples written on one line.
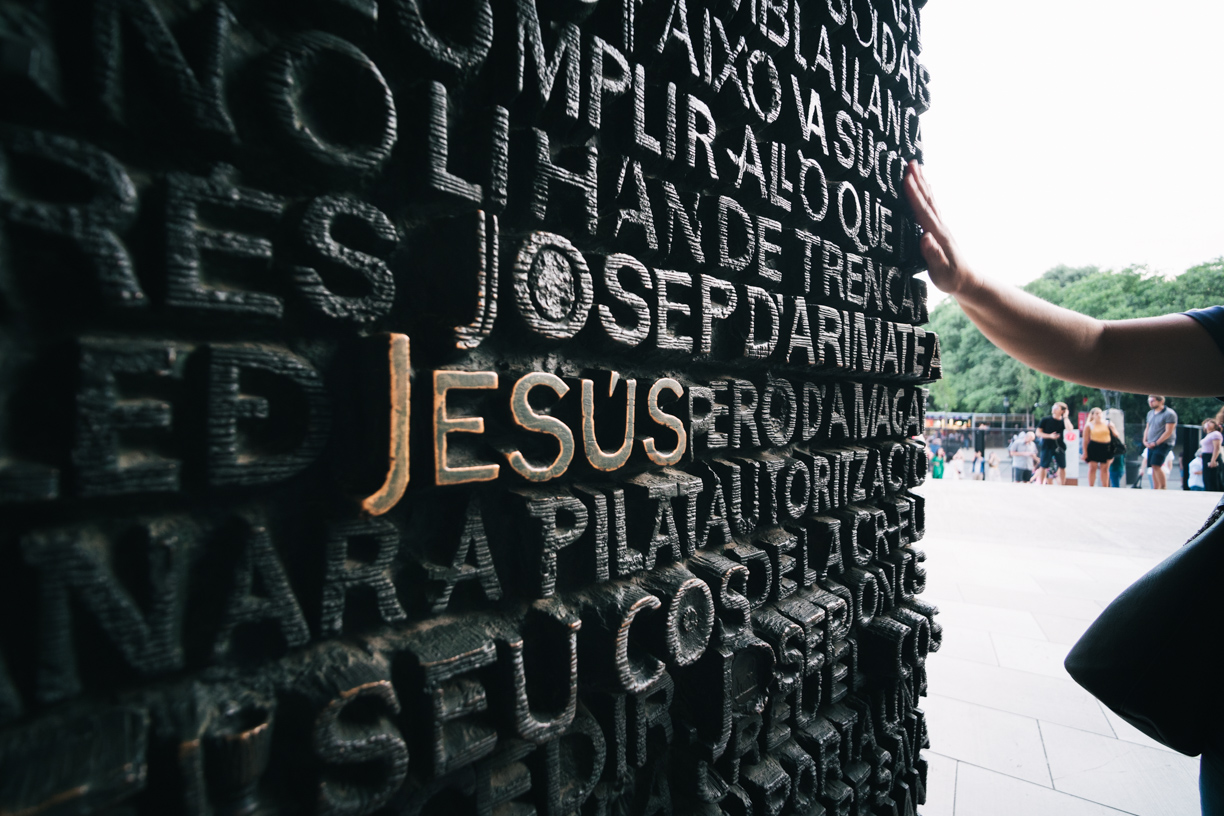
[(978, 376)]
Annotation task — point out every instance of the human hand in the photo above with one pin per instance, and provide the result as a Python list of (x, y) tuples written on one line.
[(947, 268)]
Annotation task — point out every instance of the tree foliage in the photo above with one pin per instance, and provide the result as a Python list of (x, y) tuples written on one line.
[(977, 375)]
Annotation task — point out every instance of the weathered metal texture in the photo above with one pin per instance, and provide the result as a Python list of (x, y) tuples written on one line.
[(497, 407)]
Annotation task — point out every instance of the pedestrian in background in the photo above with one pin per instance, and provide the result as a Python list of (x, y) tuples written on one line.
[(1195, 481), (992, 468), (1023, 451), (979, 466), (1098, 436), (956, 465), (937, 464), (1159, 437), (1145, 468), (1209, 455), (1053, 447)]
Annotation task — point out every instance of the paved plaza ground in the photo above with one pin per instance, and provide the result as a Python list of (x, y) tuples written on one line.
[(1018, 572)]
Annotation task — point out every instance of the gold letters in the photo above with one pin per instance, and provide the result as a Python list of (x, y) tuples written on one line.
[(393, 488), (526, 417), (444, 424)]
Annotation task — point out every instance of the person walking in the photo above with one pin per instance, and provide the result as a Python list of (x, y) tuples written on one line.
[(1182, 354), (1209, 455), (1159, 437), (992, 468), (1023, 451), (1053, 447), (956, 465), (937, 464), (1098, 435)]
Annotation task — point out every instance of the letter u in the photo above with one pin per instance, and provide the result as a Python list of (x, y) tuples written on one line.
[(594, 454)]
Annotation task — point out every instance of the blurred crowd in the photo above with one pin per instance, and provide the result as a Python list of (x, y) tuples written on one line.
[(1038, 454)]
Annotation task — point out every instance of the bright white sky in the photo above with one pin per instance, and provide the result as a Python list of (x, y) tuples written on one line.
[(1077, 131)]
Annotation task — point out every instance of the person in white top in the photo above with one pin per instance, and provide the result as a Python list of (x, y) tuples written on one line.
[(1195, 481)]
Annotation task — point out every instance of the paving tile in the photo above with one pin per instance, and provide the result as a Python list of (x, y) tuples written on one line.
[(1031, 601), (1125, 731), (1120, 564), (1045, 563), (1027, 654), (1120, 569), (987, 572), (1091, 589), (1027, 587), (1049, 699), (939, 588), (1060, 629), (1134, 523), (1036, 562), (954, 615), (967, 644), (1007, 743), (941, 784), (1121, 774), (980, 792)]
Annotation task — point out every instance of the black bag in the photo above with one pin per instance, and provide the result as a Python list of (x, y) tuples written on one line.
[(1151, 655), (1116, 446)]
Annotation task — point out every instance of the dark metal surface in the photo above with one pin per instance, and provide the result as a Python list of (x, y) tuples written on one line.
[(422, 406)]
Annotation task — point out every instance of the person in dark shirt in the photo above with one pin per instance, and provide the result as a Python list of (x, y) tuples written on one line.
[(1174, 354), (1053, 447)]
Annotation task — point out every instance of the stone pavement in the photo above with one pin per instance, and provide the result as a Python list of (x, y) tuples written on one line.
[(1018, 572)]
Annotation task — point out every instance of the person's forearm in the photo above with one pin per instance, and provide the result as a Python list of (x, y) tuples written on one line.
[(1037, 333), (1170, 354)]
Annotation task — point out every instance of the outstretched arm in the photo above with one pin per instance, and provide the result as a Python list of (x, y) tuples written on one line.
[(1171, 354)]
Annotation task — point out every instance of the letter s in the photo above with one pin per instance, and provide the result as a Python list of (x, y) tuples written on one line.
[(355, 728), (527, 418)]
